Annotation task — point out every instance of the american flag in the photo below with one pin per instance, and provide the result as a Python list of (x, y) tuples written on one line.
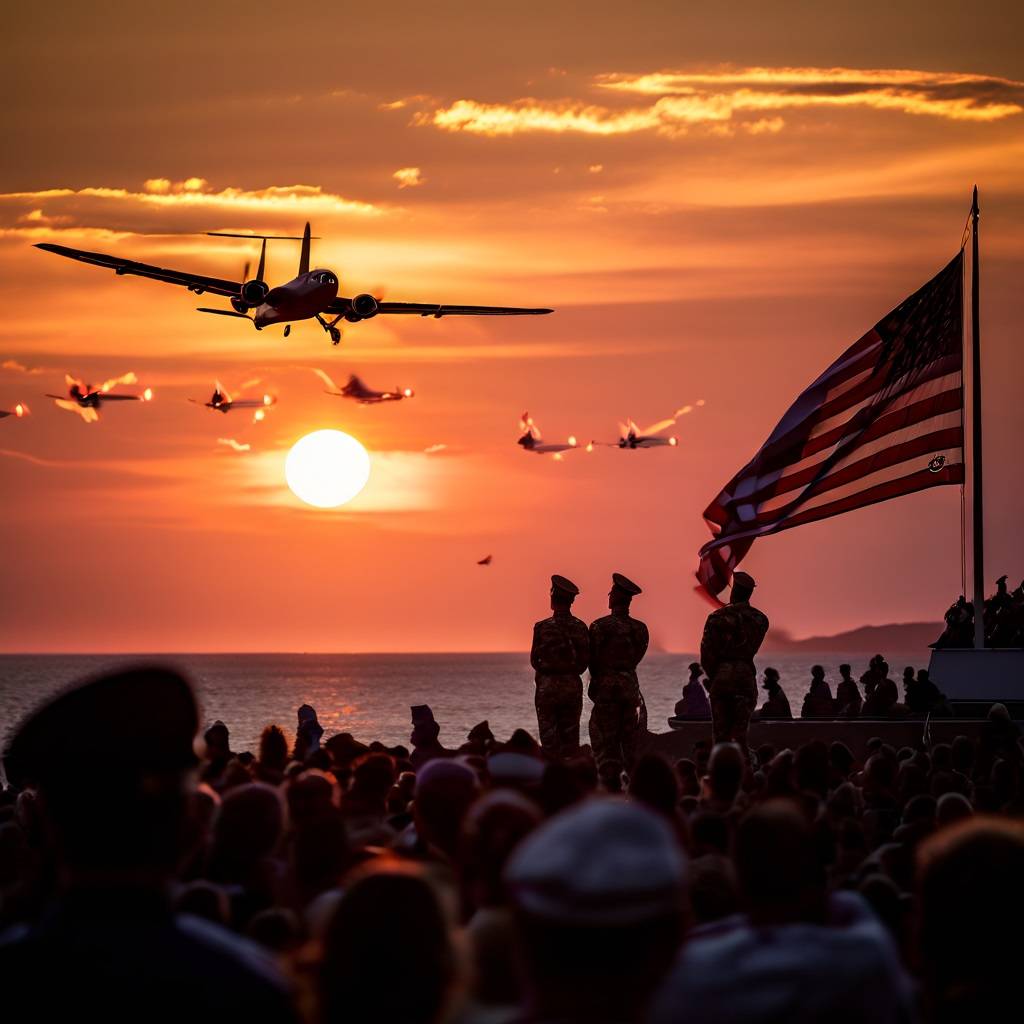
[(885, 419)]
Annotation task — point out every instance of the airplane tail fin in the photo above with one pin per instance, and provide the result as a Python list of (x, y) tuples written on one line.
[(304, 255)]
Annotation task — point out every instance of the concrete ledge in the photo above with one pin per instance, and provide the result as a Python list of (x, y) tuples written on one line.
[(855, 734)]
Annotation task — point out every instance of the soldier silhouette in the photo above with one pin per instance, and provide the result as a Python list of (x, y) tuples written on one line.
[(559, 655), (732, 636), (618, 643)]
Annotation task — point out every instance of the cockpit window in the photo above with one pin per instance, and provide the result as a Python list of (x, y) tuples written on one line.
[(326, 279)]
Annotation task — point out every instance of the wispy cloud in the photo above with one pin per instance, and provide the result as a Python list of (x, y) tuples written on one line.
[(712, 99), (235, 446), (15, 367), (42, 212), (409, 177)]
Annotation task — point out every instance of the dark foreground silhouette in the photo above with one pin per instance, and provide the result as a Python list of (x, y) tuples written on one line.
[(147, 874)]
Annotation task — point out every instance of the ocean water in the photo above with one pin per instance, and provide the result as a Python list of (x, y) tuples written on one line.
[(370, 695)]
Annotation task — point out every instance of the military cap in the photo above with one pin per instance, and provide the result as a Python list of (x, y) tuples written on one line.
[(421, 714), (1002, 581), (128, 725), (625, 584), (603, 861), (743, 580), (566, 586)]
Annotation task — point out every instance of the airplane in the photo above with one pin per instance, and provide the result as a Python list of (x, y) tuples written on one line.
[(221, 400), (20, 410), (358, 391), (486, 560), (631, 436), (86, 400), (311, 294), (531, 440)]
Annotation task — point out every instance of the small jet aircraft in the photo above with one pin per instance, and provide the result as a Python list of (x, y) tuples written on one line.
[(222, 401), (359, 392), (20, 410), (486, 560), (631, 436), (311, 294), (86, 400), (531, 440)]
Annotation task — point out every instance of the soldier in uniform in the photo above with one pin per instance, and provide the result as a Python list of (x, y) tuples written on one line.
[(732, 636), (618, 643), (559, 655)]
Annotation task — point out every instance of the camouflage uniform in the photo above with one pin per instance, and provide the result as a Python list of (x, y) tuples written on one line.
[(559, 656), (618, 643), (732, 636)]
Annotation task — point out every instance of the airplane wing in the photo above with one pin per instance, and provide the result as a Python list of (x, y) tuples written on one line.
[(250, 403), (438, 309), (194, 282)]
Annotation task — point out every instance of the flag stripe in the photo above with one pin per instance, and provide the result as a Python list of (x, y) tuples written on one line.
[(883, 431)]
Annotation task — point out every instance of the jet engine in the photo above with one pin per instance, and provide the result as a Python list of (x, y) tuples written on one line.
[(364, 305), (254, 293)]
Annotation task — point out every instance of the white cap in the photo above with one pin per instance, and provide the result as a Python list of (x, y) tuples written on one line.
[(603, 861)]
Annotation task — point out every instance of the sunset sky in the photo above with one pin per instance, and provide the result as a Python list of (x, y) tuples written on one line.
[(717, 199)]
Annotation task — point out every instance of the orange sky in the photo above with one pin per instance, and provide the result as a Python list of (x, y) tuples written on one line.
[(716, 203)]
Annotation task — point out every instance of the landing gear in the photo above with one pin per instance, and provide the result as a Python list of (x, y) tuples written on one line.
[(330, 327), (287, 329)]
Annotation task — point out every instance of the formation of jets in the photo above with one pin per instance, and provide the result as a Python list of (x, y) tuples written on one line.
[(311, 294), (630, 437), (359, 392), (86, 400)]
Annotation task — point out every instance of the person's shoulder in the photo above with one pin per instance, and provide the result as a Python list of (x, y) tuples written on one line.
[(225, 950), (541, 623), (602, 621)]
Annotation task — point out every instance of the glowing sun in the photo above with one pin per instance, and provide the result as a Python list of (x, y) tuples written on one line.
[(327, 468)]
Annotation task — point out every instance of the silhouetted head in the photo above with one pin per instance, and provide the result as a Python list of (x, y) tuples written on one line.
[(742, 587), (817, 673), (771, 679), (844, 671), (444, 792), (387, 951), (951, 808), (971, 897), (695, 671), (110, 759), (563, 593), (492, 829), (779, 875), (725, 771), (273, 749), (217, 740), (248, 828), (654, 784), (622, 593)]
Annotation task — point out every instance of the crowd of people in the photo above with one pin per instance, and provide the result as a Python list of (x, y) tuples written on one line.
[(1002, 620), (880, 697), (149, 871)]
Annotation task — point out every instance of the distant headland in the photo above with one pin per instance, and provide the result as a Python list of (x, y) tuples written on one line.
[(899, 636)]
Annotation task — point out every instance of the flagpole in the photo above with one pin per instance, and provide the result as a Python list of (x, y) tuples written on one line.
[(977, 490)]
